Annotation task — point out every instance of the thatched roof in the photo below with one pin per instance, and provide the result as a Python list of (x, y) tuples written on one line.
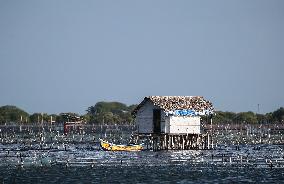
[(180, 105)]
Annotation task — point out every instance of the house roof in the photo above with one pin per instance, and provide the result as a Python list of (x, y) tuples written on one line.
[(179, 105)]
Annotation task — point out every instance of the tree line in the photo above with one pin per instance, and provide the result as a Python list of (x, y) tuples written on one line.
[(119, 113), (276, 116), (100, 113)]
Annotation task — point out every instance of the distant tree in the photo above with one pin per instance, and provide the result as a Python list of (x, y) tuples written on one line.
[(270, 118), (110, 113), (35, 118), (91, 110), (11, 113), (39, 118), (114, 107), (261, 118), (278, 115), (87, 117), (242, 117), (246, 117), (224, 117)]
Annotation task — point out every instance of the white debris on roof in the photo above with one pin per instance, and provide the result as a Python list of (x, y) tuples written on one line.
[(181, 105)]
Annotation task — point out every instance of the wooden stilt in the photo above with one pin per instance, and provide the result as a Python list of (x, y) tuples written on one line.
[(157, 142)]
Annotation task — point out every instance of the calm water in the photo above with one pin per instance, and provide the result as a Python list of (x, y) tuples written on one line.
[(45, 155)]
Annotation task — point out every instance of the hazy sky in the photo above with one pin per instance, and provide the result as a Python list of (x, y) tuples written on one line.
[(61, 56)]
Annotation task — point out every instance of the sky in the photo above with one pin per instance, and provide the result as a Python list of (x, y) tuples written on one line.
[(66, 55)]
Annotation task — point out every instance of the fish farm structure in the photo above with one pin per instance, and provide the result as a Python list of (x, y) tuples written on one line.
[(173, 122)]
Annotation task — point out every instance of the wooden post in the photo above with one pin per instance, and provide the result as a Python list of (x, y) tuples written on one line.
[(208, 141), (203, 142), (172, 141), (147, 142), (198, 142), (211, 122), (167, 143), (182, 142), (193, 142)]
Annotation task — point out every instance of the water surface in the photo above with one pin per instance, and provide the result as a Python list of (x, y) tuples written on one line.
[(46, 155)]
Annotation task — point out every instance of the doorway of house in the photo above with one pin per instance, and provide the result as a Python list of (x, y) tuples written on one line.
[(157, 120)]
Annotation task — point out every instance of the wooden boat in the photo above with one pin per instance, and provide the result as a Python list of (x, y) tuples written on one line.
[(114, 147)]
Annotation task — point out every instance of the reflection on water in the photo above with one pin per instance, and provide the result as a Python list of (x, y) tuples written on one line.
[(45, 154)]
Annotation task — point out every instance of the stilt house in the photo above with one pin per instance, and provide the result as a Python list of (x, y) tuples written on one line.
[(177, 115)]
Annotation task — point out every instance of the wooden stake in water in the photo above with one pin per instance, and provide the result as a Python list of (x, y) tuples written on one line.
[(212, 145), (208, 141)]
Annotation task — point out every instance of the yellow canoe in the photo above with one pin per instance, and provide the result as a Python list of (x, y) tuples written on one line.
[(113, 147)]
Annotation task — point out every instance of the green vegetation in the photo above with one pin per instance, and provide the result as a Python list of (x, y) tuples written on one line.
[(9, 113), (110, 113), (249, 117), (40, 117), (100, 113), (119, 113)]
